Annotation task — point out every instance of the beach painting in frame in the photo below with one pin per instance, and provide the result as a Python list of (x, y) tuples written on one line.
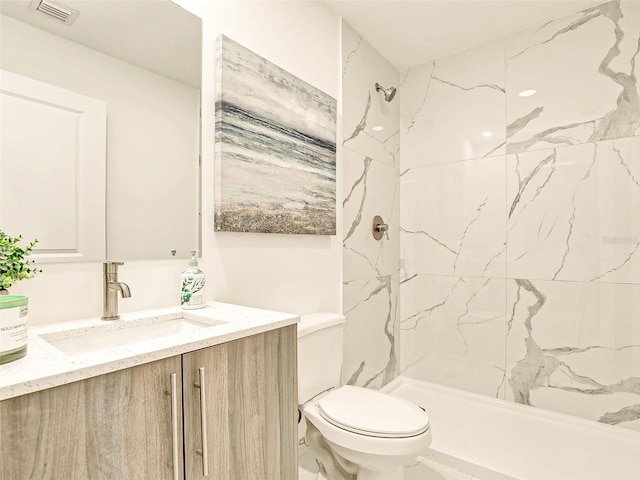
[(275, 154)]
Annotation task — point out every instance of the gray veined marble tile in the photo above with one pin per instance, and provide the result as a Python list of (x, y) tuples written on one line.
[(453, 108), (370, 188), (573, 213), (371, 332), (453, 218), (452, 331), (370, 124), (574, 347), (584, 69)]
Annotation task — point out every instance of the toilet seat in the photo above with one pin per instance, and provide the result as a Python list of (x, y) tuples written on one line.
[(372, 413), (370, 445)]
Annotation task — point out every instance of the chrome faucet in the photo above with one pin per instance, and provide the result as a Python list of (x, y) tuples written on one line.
[(110, 291)]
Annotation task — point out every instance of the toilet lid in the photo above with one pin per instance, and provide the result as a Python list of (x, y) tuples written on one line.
[(369, 412)]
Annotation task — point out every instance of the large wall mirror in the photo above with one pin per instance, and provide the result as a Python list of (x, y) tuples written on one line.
[(100, 128)]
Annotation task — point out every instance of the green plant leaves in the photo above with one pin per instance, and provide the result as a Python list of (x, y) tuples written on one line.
[(14, 265)]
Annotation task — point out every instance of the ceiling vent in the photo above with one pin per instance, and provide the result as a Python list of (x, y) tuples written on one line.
[(55, 10)]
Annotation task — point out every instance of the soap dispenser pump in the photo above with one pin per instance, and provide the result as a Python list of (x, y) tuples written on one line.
[(193, 283)]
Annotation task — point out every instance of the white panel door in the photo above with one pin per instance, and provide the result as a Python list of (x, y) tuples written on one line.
[(52, 169)]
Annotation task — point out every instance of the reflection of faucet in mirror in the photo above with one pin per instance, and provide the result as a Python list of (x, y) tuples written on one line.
[(110, 291)]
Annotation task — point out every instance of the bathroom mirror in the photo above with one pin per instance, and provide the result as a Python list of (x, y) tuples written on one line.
[(140, 62)]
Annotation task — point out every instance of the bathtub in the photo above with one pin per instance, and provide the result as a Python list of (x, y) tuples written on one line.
[(516, 441)]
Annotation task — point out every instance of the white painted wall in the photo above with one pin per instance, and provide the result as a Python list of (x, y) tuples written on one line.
[(282, 272), (298, 273)]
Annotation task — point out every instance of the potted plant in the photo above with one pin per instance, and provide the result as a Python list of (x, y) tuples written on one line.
[(14, 266)]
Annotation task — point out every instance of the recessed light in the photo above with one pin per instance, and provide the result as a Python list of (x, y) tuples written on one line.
[(527, 93), (377, 129), (487, 134)]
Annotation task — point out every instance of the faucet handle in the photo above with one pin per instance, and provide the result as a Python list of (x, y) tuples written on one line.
[(111, 267)]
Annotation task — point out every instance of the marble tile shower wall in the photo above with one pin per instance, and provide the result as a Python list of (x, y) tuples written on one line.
[(520, 217), (371, 187)]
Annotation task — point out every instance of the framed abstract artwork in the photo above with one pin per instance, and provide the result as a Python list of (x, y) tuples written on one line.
[(275, 162)]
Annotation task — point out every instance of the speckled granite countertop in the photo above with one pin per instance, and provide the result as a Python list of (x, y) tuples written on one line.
[(46, 366)]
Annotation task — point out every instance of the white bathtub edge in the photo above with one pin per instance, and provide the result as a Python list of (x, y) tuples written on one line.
[(520, 441), (515, 407)]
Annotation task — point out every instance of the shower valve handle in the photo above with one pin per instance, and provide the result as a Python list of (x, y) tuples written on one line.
[(379, 228)]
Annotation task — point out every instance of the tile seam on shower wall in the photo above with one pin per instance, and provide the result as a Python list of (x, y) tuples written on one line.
[(533, 279)]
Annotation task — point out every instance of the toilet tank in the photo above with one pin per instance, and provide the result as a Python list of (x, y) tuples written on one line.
[(319, 353)]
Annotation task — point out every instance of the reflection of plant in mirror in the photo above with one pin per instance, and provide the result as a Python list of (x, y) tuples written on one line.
[(13, 264)]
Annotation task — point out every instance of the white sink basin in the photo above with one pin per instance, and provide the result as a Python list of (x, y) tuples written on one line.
[(120, 333)]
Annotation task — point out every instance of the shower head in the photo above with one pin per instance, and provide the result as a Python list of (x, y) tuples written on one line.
[(389, 93)]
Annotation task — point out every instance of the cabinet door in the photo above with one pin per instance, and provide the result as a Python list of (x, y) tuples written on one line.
[(250, 405), (114, 426)]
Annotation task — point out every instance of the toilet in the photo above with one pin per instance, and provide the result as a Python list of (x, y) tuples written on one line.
[(354, 432)]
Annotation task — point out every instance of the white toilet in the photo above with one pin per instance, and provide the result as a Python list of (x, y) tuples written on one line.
[(354, 432)]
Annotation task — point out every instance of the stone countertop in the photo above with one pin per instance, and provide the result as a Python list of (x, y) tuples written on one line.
[(45, 366)]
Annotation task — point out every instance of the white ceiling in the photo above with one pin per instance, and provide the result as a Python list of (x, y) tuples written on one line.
[(413, 32), (155, 34), (405, 32)]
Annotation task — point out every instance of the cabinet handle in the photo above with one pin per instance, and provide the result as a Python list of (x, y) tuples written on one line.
[(174, 426), (203, 422)]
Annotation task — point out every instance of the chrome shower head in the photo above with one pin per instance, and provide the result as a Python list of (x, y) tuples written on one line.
[(389, 93)]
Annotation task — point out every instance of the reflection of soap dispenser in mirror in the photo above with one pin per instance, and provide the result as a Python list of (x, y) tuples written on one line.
[(193, 281)]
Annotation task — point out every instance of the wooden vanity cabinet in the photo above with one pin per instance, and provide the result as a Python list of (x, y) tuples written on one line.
[(114, 426), (119, 426), (250, 400)]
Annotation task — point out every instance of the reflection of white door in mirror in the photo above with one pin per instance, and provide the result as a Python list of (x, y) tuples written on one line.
[(52, 169), (143, 59)]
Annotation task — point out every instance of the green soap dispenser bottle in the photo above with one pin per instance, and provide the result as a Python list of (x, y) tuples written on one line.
[(193, 283)]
